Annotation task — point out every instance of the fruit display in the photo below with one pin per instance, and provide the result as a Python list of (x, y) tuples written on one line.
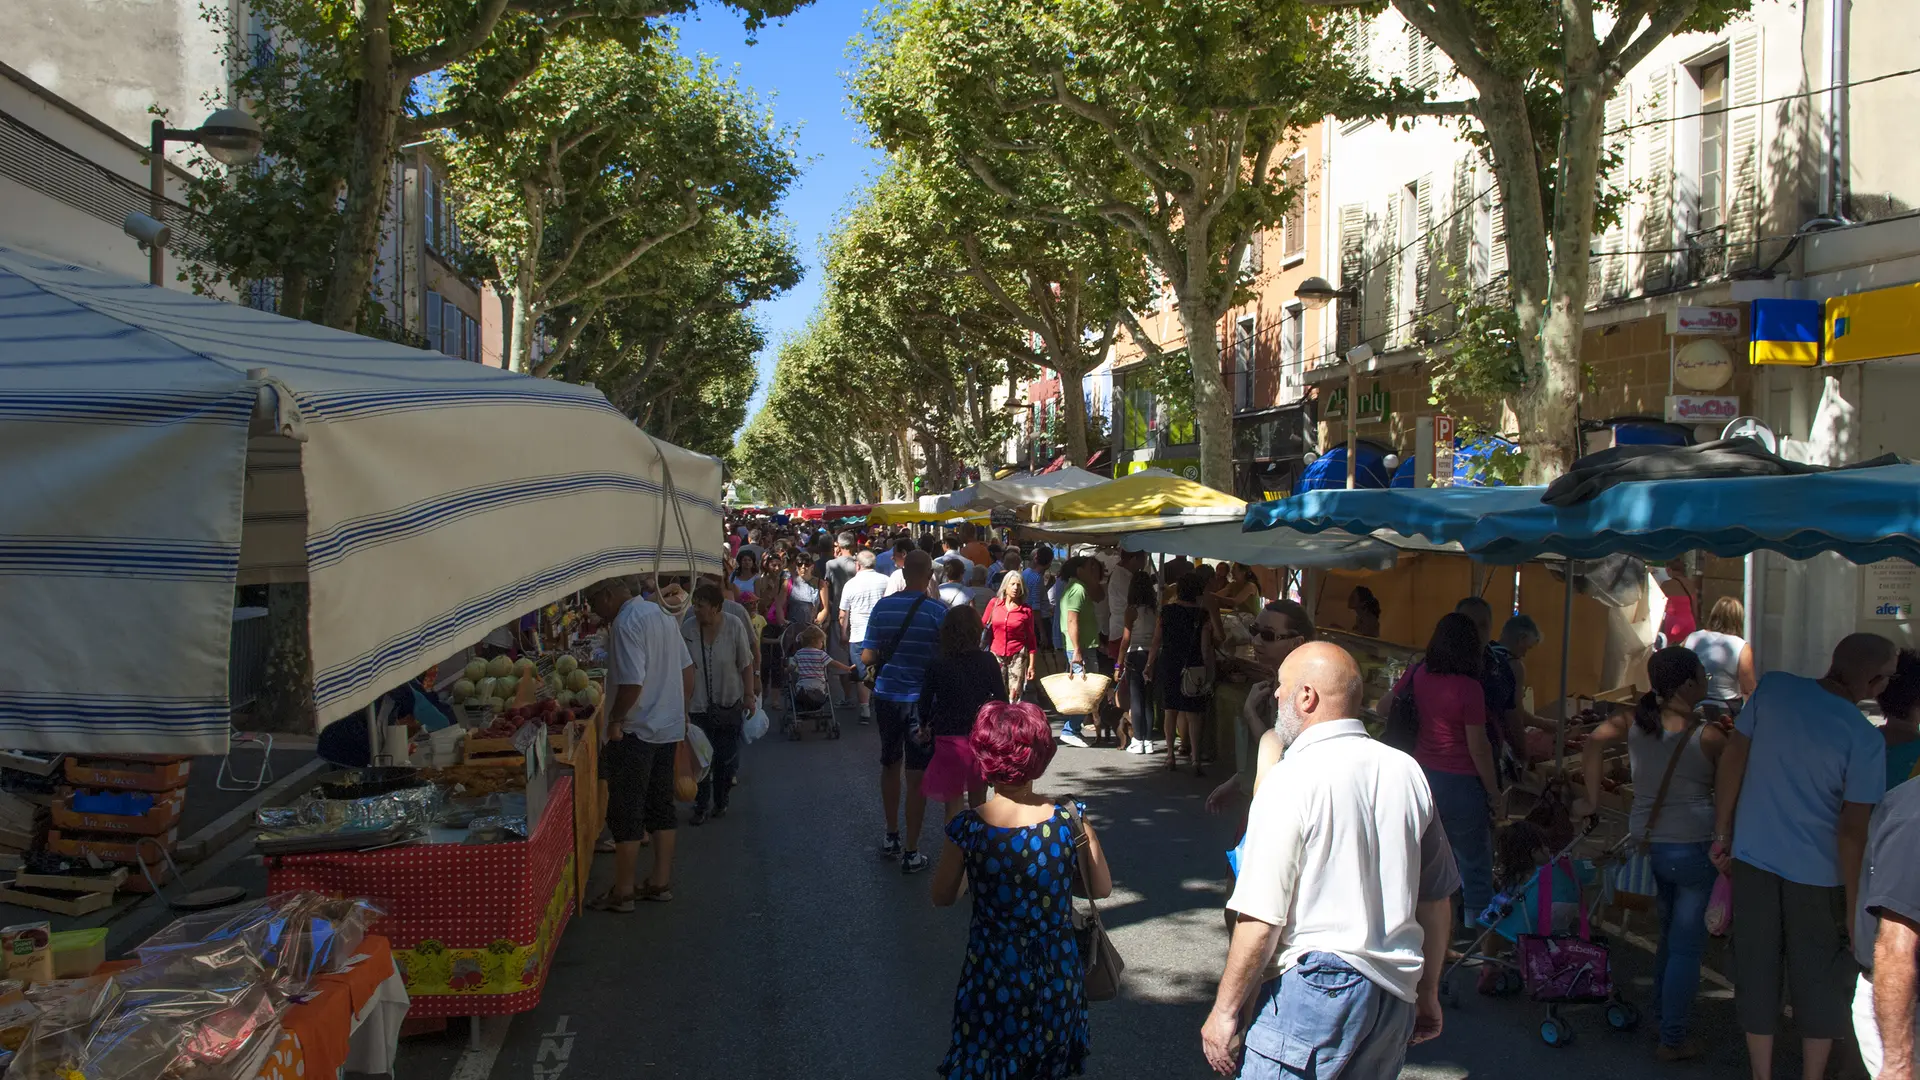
[(549, 714), (565, 665), (476, 670)]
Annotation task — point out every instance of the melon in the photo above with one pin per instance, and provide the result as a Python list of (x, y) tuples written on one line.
[(523, 667), (565, 665), (463, 690), (591, 695), (499, 666), (563, 699), (498, 704), (484, 688), (577, 681), (555, 684), (476, 670), (505, 685)]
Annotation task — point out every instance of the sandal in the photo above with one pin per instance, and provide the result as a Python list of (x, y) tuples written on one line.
[(658, 894), (609, 901), (605, 847)]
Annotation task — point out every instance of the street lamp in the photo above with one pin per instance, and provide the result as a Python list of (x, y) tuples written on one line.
[(231, 137), (1316, 291)]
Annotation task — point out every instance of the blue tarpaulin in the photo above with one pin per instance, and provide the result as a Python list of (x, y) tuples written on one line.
[(1329, 470), (1469, 463), (1865, 515)]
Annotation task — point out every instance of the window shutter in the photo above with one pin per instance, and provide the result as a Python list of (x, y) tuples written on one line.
[(1743, 150), (1357, 41), (1393, 301), (1656, 224), (1294, 237), (433, 320), (1353, 244), (1608, 276), (1496, 238), (1460, 222)]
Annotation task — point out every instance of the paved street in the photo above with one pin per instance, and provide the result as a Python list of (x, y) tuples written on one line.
[(790, 950)]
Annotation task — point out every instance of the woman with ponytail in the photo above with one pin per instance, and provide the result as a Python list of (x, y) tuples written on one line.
[(1672, 756)]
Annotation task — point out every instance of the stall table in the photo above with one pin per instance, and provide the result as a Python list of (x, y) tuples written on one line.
[(473, 927), (351, 1022)]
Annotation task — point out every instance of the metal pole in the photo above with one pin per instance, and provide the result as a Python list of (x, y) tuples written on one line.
[(157, 189), (1566, 659), (1353, 420)]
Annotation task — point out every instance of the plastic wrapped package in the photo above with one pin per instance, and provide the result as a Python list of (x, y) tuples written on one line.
[(299, 936)]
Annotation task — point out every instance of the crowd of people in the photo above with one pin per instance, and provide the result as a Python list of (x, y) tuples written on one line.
[(1361, 866)]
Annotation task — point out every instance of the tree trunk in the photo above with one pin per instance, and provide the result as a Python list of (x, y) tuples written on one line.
[(293, 294), (376, 113), (520, 345), (1074, 413), (286, 691), (1212, 414)]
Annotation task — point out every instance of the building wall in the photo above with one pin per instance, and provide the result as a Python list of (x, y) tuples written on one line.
[(117, 58), (1884, 37)]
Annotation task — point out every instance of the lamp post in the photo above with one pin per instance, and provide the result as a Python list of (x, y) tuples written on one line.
[(1316, 292), (232, 138)]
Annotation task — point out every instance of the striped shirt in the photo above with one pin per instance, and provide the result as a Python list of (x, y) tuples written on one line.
[(905, 673), (811, 666)]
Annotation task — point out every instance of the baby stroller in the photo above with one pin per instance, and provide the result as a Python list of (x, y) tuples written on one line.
[(807, 704), (1556, 969)]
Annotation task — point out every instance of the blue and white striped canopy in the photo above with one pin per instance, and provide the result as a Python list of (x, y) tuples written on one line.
[(1864, 515), (159, 448)]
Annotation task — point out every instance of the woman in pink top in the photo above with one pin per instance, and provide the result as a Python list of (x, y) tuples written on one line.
[(1009, 620), (1454, 750)]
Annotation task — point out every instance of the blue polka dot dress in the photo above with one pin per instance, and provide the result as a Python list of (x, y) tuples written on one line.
[(1021, 1011)]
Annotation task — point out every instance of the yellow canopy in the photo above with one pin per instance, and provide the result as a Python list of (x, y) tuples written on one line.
[(1139, 495), (909, 513)]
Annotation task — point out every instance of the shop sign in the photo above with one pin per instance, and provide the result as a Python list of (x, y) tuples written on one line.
[(1703, 367), (1874, 325), (1702, 409), (1890, 588), (1443, 451), (1373, 407), (1703, 320)]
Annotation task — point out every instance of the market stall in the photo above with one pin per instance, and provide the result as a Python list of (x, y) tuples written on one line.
[(1022, 490), (183, 446), (910, 513)]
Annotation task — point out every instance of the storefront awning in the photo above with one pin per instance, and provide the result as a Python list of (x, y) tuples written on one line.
[(160, 448)]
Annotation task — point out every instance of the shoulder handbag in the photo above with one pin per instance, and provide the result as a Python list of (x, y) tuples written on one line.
[(1100, 963), (1634, 877), (872, 677), (1403, 720)]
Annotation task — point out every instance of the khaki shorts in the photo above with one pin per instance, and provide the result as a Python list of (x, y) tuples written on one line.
[(1013, 671)]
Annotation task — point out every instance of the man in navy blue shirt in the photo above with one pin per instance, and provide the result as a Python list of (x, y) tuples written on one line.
[(903, 637)]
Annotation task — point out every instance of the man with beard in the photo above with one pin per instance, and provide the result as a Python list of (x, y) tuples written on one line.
[(1342, 899)]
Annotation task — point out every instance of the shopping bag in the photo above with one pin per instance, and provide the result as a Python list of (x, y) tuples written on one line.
[(1720, 907), (702, 751), (757, 724)]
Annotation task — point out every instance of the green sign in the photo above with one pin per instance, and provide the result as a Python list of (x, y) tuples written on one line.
[(1374, 406)]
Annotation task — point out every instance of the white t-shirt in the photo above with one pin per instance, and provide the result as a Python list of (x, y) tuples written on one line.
[(1119, 582), (940, 561), (644, 649), (1720, 655), (954, 594), (1342, 843), (865, 590)]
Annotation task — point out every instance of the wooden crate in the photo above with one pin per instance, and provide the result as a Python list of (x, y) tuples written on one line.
[(131, 772), (155, 822), (58, 901), (108, 849)]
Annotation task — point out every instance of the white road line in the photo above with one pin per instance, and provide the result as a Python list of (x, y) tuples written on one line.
[(477, 1062)]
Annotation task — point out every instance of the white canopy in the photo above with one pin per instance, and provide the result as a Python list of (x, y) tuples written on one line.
[(1023, 489), (160, 448)]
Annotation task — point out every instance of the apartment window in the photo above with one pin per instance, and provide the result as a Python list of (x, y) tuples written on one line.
[(1713, 144), (450, 317), (1405, 263), (1243, 370), (1293, 227), (433, 319), (1293, 340)]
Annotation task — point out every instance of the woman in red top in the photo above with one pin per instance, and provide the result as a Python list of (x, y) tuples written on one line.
[(1009, 620), (1455, 752)]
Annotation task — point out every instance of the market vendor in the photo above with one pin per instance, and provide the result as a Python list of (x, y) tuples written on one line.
[(346, 742)]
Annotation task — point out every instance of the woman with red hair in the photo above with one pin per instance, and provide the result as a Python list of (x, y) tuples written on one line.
[(1021, 1008)]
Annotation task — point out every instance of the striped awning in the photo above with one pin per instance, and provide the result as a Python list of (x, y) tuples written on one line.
[(161, 448)]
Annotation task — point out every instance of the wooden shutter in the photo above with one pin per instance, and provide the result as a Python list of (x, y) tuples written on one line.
[(1744, 150), (1656, 224), (1460, 223), (1608, 276), (1357, 41), (1353, 246), (1420, 60), (1294, 236), (1425, 244), (1496, 237)]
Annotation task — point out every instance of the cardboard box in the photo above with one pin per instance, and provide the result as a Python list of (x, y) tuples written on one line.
[(155, 822), (132, 772)]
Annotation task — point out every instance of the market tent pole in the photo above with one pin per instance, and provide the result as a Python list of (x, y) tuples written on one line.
[(1566, 661)]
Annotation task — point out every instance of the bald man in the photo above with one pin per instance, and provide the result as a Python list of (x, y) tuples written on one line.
[(1795, 791), (1343, 897)]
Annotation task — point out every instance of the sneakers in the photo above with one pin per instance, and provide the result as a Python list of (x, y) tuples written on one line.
[(1149, 746), (1070, 739), (1686, 1050), (890, 847), (699, 816), (658, 894), (866, 714), (719, 812), (913, 863)]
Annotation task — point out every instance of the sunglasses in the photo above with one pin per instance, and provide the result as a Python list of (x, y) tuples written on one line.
[(1270, 635)]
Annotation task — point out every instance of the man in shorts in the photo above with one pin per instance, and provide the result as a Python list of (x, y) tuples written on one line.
[(649, 679), (903, 635)]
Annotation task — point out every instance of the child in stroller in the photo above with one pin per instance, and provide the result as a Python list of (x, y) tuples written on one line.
[(807, 696)]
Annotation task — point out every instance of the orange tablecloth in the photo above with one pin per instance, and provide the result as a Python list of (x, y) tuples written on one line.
[(314, 1034)]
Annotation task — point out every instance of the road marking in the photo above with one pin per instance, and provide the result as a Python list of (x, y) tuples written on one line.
[(477, 1062), (556, 1046)]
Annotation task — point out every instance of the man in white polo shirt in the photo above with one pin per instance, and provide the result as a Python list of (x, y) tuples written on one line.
[(1343, 896)]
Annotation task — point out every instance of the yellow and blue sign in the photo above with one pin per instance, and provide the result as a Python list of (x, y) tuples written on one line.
[(1785, 332), (1873, 325)]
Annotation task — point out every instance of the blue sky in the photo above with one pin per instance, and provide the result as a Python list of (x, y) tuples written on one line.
[(798, 64)]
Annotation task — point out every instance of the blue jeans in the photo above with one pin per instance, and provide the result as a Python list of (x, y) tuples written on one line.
[(1462, 804), (1320, 1020), (1070, 725), (1685, 883)]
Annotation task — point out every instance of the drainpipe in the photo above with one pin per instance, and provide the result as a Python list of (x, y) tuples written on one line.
[(1833, 198)]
